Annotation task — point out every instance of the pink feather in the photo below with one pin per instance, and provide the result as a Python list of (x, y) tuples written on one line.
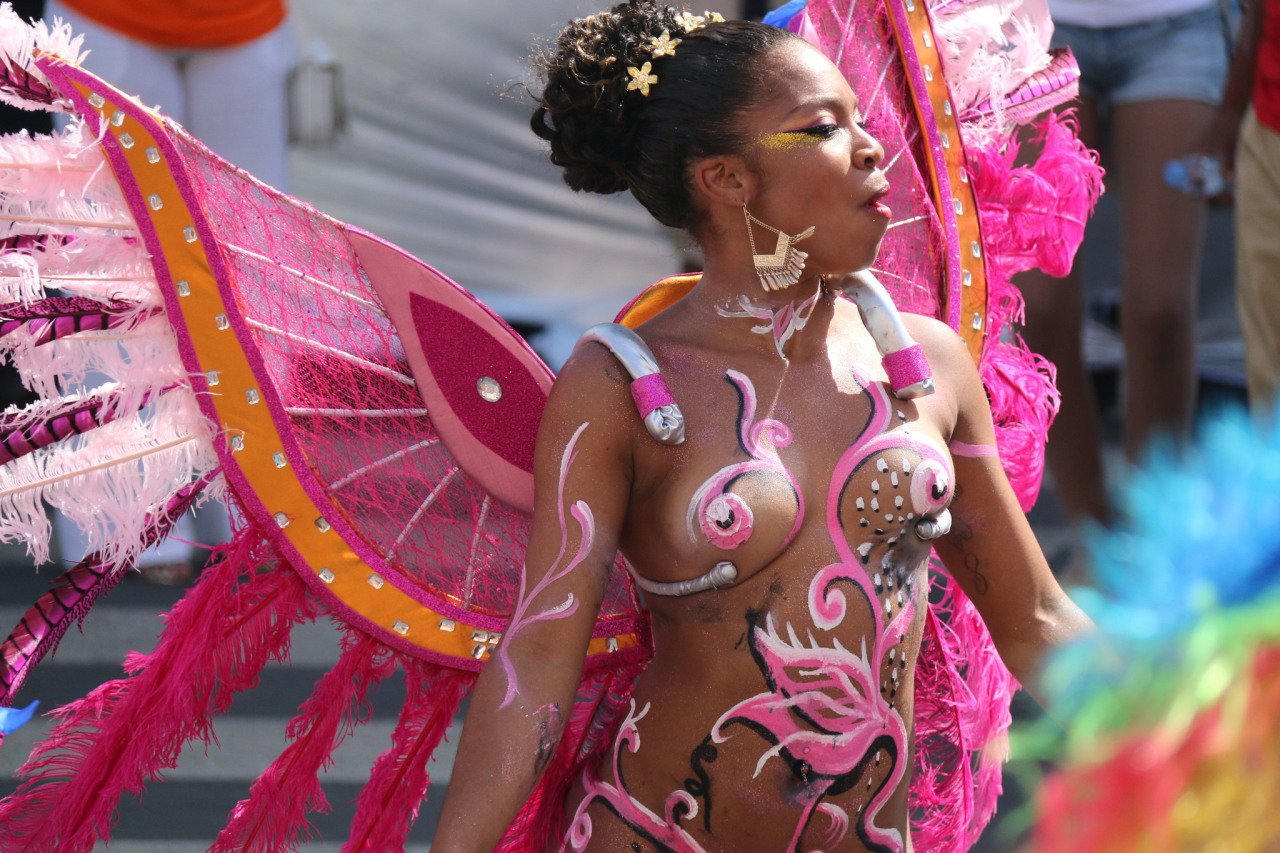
[(389, 803), (274, 815), (215, 643), (961, 723), (74, 592)]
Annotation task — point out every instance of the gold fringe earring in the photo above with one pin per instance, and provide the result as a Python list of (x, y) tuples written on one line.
[(781, 269)]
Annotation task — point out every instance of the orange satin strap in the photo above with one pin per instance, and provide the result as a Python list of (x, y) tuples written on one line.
[(657, 298)]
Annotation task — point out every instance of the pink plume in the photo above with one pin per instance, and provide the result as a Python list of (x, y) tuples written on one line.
[(961, 720), (74, 592), (1034, 216), (389, 804), (215, 642), (274, 815)]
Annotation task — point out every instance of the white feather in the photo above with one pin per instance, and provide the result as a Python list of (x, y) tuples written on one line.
[(21, 42), (107, 480)]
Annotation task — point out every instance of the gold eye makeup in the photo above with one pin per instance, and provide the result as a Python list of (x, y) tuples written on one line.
[(803, 138)]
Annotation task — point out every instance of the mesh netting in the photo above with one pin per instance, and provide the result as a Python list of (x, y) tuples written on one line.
[(858, 37), (340, 369)]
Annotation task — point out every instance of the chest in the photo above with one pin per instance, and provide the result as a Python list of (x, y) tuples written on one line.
[(766, 463)]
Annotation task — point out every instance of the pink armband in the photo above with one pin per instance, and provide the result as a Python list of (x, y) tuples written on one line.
[(650, 392), (906, 367)]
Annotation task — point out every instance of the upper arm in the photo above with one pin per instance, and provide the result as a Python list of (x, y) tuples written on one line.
[(582, 482), (991, 551)]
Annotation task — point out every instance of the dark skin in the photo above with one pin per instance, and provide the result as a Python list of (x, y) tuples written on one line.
[(708, 646)]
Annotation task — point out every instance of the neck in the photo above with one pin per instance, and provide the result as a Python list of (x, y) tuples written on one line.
[(772, 320)]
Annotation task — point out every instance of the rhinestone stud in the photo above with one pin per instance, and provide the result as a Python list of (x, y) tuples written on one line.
[(326, 576), (489, 388)]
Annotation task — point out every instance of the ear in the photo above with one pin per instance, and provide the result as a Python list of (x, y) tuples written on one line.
[(724, 179)]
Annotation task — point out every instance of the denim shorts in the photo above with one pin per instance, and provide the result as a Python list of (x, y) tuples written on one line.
[(1183, 57)]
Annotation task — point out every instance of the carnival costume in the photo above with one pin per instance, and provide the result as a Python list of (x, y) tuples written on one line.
[(373, 427)]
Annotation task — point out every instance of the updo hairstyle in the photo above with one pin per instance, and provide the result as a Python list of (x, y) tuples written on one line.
[(608, 139)]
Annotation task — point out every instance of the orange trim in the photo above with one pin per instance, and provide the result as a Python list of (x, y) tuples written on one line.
[(262, 459), (657, 298), (972, 273)]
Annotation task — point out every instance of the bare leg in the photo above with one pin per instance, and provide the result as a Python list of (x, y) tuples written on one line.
[(1055, 315), (1162, 241)]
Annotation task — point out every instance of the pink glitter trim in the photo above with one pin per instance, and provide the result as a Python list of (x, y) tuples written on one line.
[(650, 392), (960, 448), (906, 367)]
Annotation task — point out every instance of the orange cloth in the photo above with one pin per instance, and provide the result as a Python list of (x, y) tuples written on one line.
[(185, 23)]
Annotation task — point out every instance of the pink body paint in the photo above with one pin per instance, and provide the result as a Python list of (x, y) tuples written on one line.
[(520, 617), (723, 517), (960, 448), (663, 829), (825, 708)]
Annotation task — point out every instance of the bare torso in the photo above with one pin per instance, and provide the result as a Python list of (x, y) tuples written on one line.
[(776, 712)]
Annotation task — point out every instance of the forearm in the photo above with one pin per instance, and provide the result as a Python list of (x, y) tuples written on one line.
[(503, 752), (1056, 621)]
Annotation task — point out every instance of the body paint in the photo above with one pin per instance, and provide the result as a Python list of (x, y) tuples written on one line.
[(520, 617), (781, 324), (724, 518), (960, 448), (663, 830), (829, 711)]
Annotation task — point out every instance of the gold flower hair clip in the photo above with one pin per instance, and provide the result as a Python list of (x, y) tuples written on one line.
[(664, 45), (690, 22), (641, 78)]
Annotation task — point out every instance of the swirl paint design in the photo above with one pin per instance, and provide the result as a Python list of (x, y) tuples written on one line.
[(827, 711), (724, 518), (521, 618), (781, 324), (663, 829)]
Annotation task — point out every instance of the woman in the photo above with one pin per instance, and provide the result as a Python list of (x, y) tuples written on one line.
[(784, 544)]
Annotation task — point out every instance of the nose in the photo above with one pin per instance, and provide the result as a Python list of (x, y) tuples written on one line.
[(867, 153)]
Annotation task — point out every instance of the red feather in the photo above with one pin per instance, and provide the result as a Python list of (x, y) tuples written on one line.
[(275, 814), (398, 783), (215, 642)]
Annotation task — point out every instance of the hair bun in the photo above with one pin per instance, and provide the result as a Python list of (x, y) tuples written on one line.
[(586, 111)]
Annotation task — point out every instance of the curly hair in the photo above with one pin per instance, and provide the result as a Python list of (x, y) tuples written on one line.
[(608, 139)]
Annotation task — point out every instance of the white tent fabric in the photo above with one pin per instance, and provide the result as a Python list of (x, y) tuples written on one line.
[(439, 159)]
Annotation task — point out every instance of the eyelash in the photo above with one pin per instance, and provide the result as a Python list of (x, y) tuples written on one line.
[(823, 131)]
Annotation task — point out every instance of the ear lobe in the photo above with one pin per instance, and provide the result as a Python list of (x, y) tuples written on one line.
[(723, 180)]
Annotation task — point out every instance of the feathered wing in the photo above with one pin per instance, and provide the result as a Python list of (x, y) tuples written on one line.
[(192, 332)]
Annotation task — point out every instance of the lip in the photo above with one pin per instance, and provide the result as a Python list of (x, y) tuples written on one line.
[(876, 204)]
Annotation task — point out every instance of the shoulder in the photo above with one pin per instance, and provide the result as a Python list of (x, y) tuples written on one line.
[(955, 374), (591, 388)]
